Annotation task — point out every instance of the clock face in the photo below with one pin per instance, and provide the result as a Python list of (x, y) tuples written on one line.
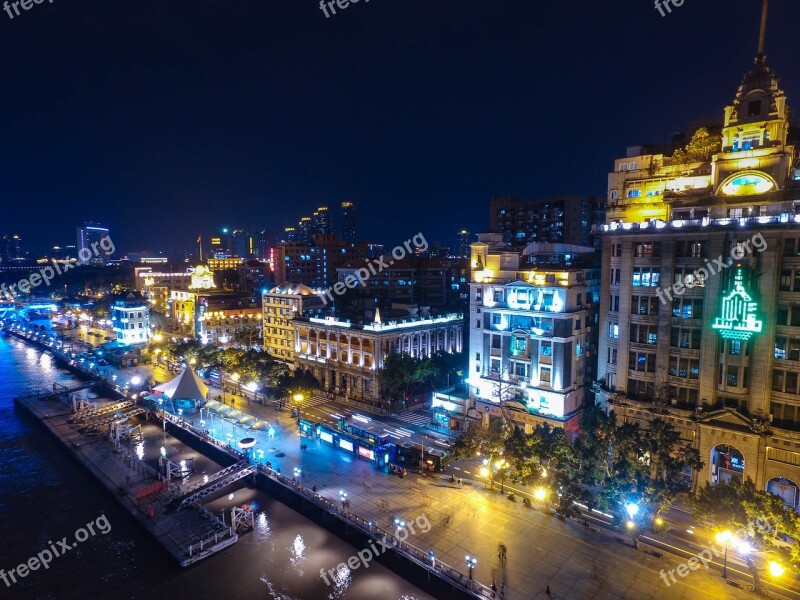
[(747, 184)]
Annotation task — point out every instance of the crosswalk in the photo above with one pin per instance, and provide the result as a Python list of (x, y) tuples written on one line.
[(314, 401), (419, 418)]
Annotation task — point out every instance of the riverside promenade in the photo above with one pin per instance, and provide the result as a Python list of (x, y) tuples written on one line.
[(571, 559), (574, 561), (188, 536)]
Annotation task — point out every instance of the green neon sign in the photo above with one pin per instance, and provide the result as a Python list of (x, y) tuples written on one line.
[(738, 320)]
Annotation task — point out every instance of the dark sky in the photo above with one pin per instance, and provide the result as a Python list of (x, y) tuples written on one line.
[(164, 118)]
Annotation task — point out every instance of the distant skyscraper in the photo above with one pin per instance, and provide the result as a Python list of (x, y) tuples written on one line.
[(462, 247), (290, 234), (10, 249), (348, 222), (305, 230), (244, 243), (88, 246), (323, 221)]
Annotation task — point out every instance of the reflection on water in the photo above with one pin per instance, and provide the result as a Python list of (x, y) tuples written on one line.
[(41, 484), (342, 580)]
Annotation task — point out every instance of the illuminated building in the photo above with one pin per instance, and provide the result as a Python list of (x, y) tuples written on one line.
[(238, 326), (533, 321), (462, 246), (701, 292), (430, 282), (130, 317), (89, 237), (346, 357), (315, 264), (349, 222), (226, 263), (323, 222), (560, 220), (280, 306), (11, 251)]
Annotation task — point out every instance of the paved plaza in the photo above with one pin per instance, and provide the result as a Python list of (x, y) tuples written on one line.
[(576, 562)]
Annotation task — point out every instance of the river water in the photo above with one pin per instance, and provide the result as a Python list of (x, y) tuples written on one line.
[(45, 495)]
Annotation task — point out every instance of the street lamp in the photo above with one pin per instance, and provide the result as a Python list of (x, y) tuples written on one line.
[(471, 562), (540, 494), (724, 537), (775, 568), (298, 398)]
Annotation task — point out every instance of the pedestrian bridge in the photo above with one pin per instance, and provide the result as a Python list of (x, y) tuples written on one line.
[(215, 482)]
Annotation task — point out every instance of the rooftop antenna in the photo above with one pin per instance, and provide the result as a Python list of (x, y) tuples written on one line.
[(762, 36)]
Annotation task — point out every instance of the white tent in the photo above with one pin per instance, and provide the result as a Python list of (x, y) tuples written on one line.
[(186, 386)]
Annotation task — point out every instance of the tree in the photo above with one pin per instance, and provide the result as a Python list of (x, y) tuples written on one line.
[(700, 148), (740, 506), (483, 441)]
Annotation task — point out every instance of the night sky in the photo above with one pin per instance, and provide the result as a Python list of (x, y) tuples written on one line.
[(166, 118)]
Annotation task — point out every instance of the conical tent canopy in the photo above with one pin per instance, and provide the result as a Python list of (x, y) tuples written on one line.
[(186, 386)]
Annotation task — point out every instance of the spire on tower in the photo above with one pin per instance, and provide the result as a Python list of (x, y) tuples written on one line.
[(762, 36)]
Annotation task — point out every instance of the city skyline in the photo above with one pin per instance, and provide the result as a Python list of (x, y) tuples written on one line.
[(195, 171)]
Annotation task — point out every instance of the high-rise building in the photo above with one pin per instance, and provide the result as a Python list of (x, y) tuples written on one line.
[(434, 282), (700, 298), (533, 326), (462, 244), (560, 220), (10, 250), (316, 264), (289, 235), (323, 221), (305, 230), (244, 243), (349, 222), (89, 244)]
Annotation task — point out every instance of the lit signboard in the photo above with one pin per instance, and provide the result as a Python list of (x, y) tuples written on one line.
[(346, 445), (366, 452), (326, 437), (738, 320)]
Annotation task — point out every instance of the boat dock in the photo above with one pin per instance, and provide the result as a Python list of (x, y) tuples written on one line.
[(188, 535)]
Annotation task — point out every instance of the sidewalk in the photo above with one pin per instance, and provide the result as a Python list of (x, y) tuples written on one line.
[(542, 550)]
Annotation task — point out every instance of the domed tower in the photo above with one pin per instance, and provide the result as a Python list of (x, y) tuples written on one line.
[(755, 158)]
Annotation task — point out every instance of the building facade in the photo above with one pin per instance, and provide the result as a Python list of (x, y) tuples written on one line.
[(429, 282), (88, 245), (349, 222), (314, 264), (236, 326), (280, 306), (130, 318), (701, 292), (532, 333), (560, 220), (347, 357)]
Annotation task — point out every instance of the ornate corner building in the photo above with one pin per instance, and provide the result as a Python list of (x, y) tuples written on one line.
[(700, 291)]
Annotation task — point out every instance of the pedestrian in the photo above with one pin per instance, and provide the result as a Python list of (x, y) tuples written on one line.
[(314, 488), (547, 591), (503, 590)]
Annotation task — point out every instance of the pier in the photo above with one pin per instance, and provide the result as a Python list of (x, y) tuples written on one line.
[(172, 514), (189, 536)]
